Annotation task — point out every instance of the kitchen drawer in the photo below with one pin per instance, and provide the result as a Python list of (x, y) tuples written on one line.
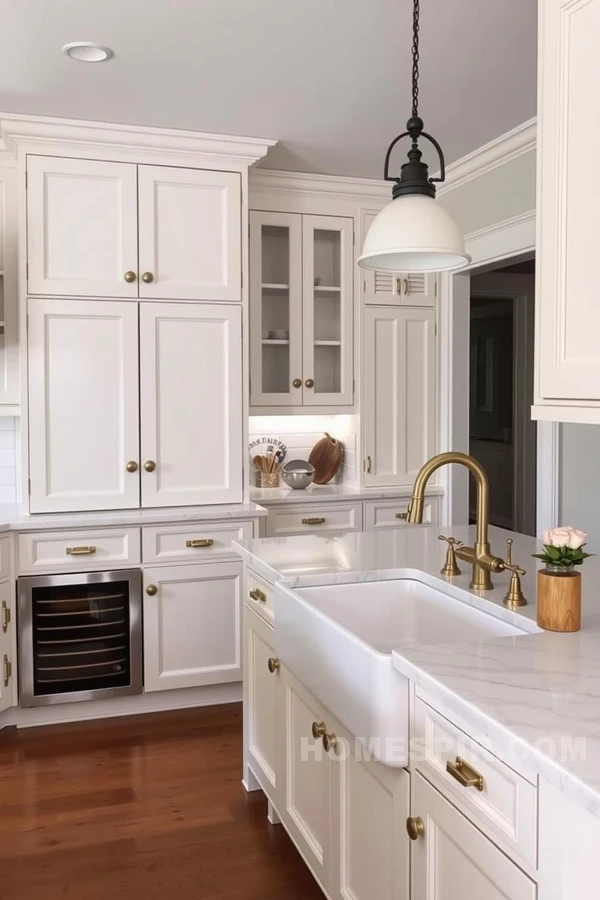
[(5, 558), (260, 596), (506, 808), (193, 543), (99, 548), (313, 519), (393, 513)]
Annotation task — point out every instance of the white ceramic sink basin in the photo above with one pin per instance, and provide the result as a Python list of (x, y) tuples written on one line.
[(338, 641)]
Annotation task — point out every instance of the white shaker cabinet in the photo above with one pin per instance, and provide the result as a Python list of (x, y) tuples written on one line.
[(8, 668), (83, 404), (567, 378), (262, 705), (81, 227), (189, 234), (191, 404), (399, 393), (451, 858), (192, 625), (9, 305)]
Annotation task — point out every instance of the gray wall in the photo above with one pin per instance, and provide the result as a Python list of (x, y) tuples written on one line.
[(580, 480)]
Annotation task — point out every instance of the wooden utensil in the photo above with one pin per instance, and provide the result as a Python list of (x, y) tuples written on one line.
[(326, 456)]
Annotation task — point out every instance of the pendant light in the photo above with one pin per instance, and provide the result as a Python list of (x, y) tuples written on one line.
[(413, 233)]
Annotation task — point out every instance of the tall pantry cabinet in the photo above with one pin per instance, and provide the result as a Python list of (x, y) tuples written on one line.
[(134, 283)]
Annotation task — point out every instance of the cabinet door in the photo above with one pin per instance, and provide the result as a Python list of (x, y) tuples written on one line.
[(275, 309), (81, 227), (567, 309), (400, 390), (306, 810), (192, 625), (191, 404), (452, 859), (83, 404), (327, 311), (370, 852), (190, 234), (262, 706), (8, 662), (9, 305)]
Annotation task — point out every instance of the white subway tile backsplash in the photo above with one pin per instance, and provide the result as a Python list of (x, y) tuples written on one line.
[(8, 494), (7, 438), (9, 458)]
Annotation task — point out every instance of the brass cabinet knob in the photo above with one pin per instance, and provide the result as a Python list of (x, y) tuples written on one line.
[(415, 827), (147, 277), (132, 466), (274, 665), (329, 742), (309, 383), (152, 590), (318, 729), (297, 382), (149, 465), (129, 277)]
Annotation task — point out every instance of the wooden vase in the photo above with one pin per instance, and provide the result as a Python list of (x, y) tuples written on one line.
[(559, 601)]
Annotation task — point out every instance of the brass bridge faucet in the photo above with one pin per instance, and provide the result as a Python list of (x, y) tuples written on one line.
[(480, 556)]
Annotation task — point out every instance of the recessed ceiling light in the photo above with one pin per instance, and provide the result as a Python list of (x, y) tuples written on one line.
[(86, 51)]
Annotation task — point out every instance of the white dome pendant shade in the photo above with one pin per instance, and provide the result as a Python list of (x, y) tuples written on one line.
[(414, 233)]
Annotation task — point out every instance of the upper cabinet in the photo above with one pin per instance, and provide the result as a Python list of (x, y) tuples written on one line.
[(397, 288), (110, 229), (567, 386), (9, 314), (301, 304)]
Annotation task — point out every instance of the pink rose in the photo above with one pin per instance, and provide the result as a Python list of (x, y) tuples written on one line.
[(558, 537), (576, 539)]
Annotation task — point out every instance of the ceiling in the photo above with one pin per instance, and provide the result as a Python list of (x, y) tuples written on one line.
[(330, 79)]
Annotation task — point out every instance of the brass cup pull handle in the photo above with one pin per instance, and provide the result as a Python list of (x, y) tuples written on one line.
[(80, 551), (7, 665), (151, 590), (403, 516), (273, 665), (310, 382), (297, 382), (258, 595), (465, 774), (316, 521), (199, 542), (147, 277), (149, 465), (129, 277), (415, 827), (318, 729), (329, 742), (132, 466), (5, 616)]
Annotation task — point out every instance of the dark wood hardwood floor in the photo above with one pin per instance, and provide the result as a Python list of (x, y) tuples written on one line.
[(140, 808)]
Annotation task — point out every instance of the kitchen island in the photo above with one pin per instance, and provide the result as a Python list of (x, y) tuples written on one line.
[(522, 709)]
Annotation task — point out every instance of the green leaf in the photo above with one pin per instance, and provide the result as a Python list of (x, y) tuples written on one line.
[(553, 552), (542, 556)]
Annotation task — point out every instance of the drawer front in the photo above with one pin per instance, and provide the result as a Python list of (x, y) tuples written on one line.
[(79, 550), (193, 543), (5, 558), (506, 808), (393, 513), (314, 519), (260, 596)]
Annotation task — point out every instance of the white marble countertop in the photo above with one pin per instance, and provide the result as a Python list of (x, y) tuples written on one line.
[(536, 695), (13, 519), (323, 493)]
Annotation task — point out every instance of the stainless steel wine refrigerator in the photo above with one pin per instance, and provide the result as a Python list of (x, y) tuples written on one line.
[(80, 637)]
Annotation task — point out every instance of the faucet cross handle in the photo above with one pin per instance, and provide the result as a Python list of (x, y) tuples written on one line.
[(509, 543), (450, 567), (514, 595)]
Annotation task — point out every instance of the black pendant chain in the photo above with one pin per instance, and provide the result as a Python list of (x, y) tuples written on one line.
[(415, 56)]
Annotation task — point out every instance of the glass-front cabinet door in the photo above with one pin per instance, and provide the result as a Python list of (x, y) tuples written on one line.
[(327, 310), (275, 309)]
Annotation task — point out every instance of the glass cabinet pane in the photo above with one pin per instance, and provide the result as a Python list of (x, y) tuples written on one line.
[(327, 311), (275, 290)]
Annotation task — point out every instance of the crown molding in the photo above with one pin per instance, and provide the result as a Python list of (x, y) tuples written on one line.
[(503, 149), (334, 186), (36, 132)]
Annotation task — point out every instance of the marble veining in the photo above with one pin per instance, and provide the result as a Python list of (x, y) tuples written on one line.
[(535, 698)]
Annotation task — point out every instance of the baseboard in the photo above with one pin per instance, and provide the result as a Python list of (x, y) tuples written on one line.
[(161, 701)]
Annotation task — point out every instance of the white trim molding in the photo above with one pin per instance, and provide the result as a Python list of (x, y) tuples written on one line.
[(502, 240), (334, 186)]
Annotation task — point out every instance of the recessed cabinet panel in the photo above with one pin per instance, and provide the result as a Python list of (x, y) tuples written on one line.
[(189, 234), (8, 662), (191, 404), (263, 690), (83, 404), (399, 387), (81, 227), (192, 626)]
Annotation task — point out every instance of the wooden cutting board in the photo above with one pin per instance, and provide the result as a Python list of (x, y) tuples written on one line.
[(326, 457)]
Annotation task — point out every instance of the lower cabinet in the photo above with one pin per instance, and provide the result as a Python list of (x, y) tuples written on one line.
[(7, 660), (262, 685), (192, 623), (452, 859)]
